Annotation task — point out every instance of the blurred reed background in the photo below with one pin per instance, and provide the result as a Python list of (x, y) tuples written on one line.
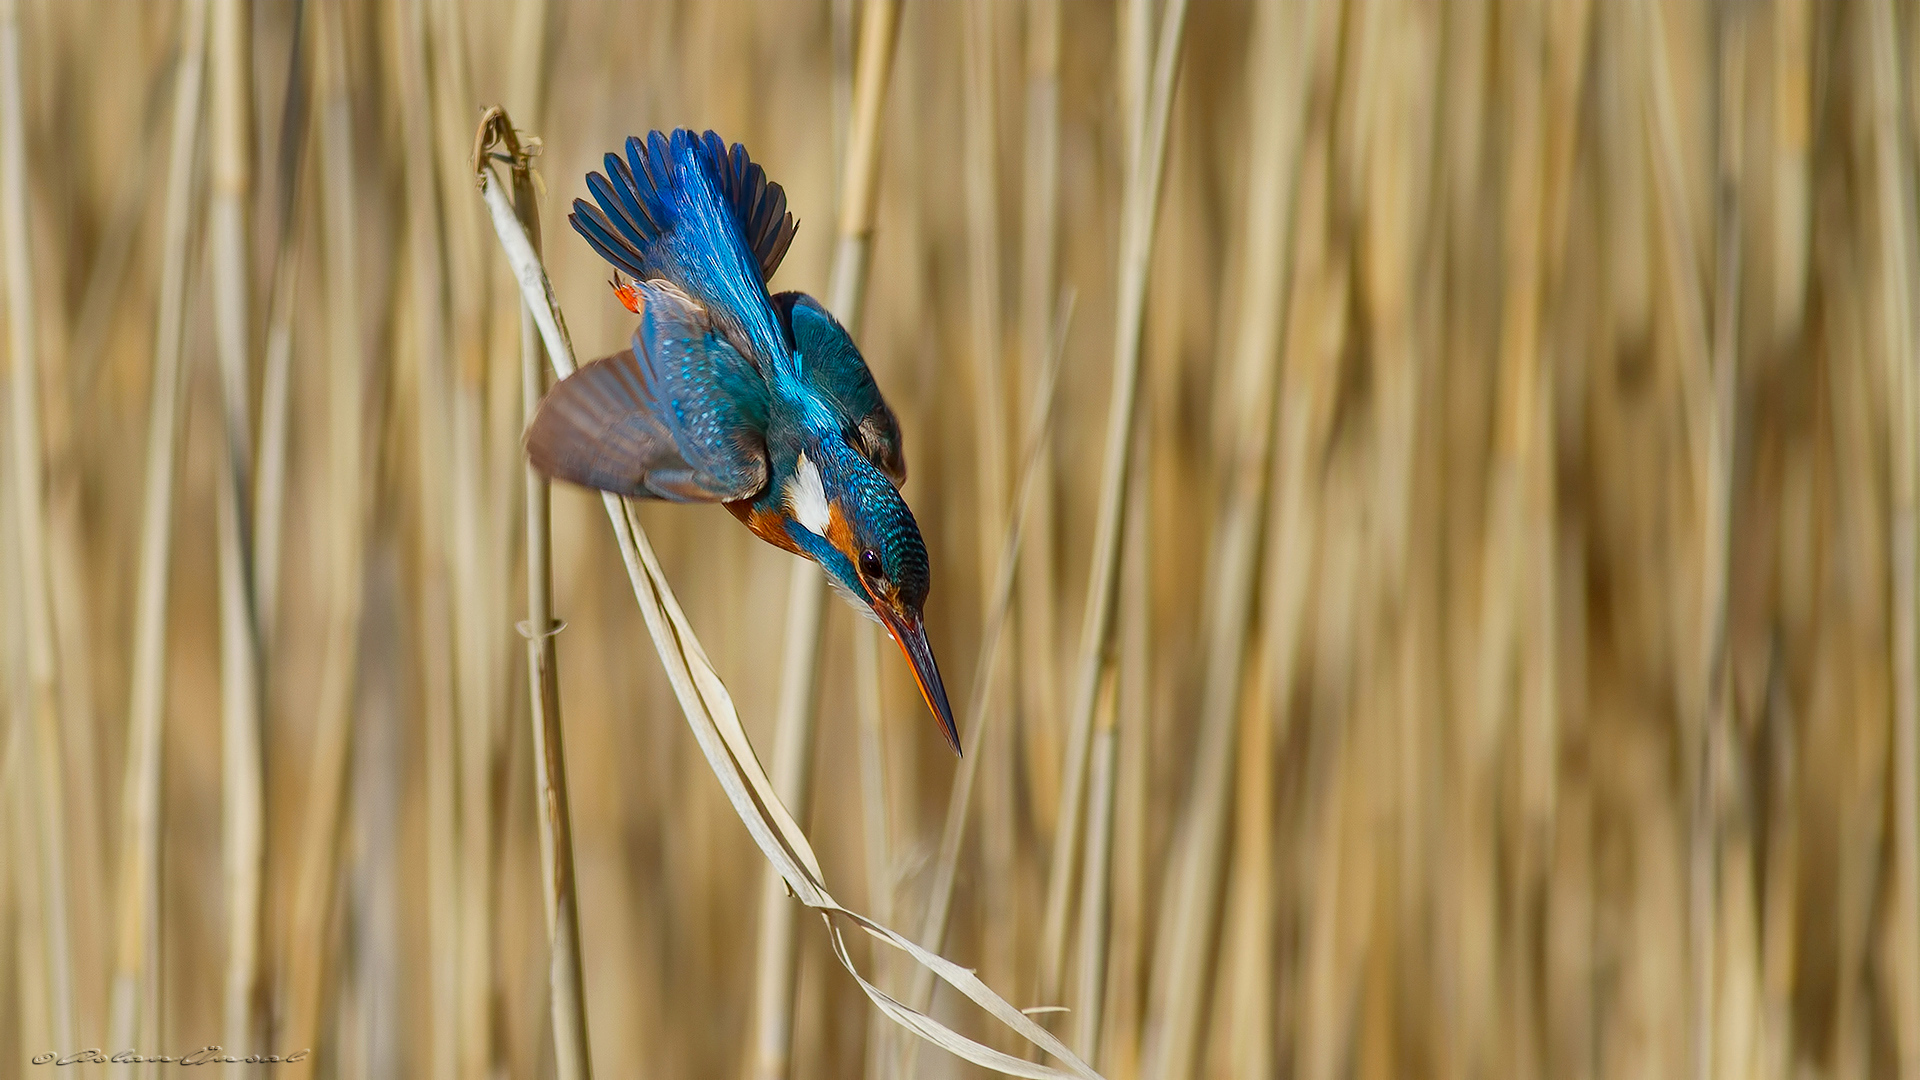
[(1500, 652)]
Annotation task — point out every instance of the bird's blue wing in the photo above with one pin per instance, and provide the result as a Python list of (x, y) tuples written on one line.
[(643, 197), (833, 368), (680, 416)]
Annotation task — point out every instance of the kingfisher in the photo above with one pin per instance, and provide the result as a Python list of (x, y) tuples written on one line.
[(728, 393)]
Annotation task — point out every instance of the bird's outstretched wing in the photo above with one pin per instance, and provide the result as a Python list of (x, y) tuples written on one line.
[(679, 416), (832, 366), (644, 197)]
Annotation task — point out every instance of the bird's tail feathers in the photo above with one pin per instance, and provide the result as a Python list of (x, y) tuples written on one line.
[(641, 197)]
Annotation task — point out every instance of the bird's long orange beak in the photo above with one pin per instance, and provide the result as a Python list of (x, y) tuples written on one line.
[(910, 632)]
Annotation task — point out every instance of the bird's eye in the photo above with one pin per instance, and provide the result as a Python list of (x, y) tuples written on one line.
[(870, 563)]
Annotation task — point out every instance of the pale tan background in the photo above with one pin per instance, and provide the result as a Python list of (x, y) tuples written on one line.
[(1577, 726)]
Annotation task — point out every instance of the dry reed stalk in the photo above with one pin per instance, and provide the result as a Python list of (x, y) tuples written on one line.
[(567, 1004), (30, 959), (243, 825), (88, 892), (875, 833), (48, 806), (1282, 62), (798, 709), (1791, 131), (1780, 890), (134, 1010), (478, 593), (1465, 947), (106, 278), (1183, 943), (1895, 220), (276, 381), (426, 246), (858, 93), (1125, 953), (792, 774), (1728, 1035), (980, 708), (876, 805), (1090, 980), (999, 903), (309, 959), (20, 861), (1517, 676), (715, 725), (1678, 252), (1703, 420), (1314, 335), (1147, 128), (1037, 615), (1557, 612)]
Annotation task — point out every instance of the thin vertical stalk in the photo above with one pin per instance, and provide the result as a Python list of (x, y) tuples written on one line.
[(982, 138), (1702, 419), (42, 734), (877, 828), (135, 1007), (310, 960), (1124, 955), (567, 999), (243, 825), (276, 381), (1893, 182), (1037, 622), (806, 598), (1095, 897), (1138, 214), (425, 254), (478, 596), (1720, 768), (876, 833), (1276, 92)]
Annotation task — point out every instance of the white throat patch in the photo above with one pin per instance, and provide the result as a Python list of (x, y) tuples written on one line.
[(807, 497)]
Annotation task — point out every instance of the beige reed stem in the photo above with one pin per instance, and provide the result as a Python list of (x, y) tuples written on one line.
[(134, 1008), (567, 998), (29, 493), (243, 824), (806, 596), (309, 954), (1139, 211)]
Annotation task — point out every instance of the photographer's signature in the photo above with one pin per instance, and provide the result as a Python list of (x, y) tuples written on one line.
[(206, 1055)]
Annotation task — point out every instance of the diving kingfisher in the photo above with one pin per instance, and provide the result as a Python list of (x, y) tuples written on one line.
[(729, 394)]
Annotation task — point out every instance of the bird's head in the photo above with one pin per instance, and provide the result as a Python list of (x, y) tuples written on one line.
[(851, 519)]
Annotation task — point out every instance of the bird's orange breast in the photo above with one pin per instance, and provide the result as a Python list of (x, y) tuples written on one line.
[(768, 525)]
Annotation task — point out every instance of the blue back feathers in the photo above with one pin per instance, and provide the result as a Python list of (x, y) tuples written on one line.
[(832, 367)]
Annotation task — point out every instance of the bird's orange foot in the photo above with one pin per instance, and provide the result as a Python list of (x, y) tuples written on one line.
[(629, 294)]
